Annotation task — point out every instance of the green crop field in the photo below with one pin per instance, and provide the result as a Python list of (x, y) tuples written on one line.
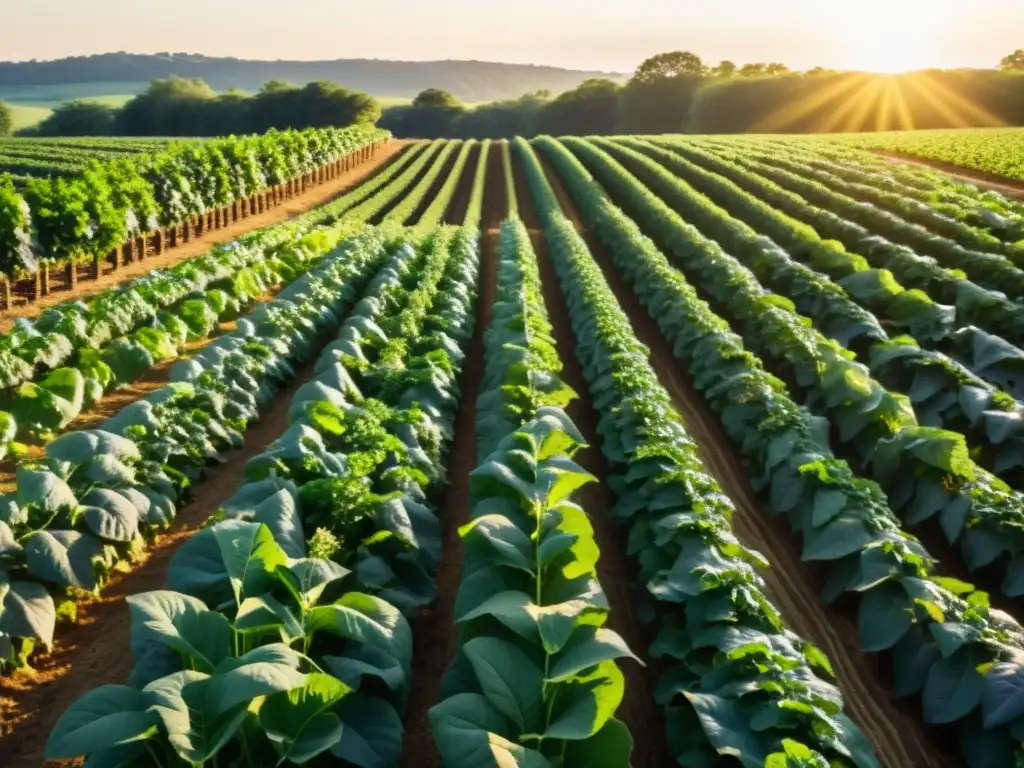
[(619, 451)]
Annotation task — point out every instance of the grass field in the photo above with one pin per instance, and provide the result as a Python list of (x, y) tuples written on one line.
[(781, 382), (33, 104)]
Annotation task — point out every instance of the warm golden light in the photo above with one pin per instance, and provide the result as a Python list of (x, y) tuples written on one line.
[(894, 36)]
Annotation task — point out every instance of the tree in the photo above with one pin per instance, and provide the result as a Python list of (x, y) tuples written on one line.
[(433, 114), (6, 119), (658, 97), (78, 118), (776, 68), (435, 98), (1014, 62), (665, 66), (171, 107), (724, 69), (753, 69), (591, 108), (275, 86)]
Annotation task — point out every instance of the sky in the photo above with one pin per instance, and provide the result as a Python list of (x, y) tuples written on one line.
[(884, 35)]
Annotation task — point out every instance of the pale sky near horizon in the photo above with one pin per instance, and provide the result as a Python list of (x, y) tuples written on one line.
[(888, 35)]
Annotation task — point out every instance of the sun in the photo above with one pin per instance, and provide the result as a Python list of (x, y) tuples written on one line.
[(894, 36)]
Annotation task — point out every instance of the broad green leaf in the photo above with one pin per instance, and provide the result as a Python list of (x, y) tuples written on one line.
[(44, 490), (264, 671), (727, 727), (584, 704), (267, 613), (372, 732), (64, 557), (587, 647), (837, 539), (104, 717), (1003, 700), (182, 623), (610, 747), (26, 610), (194, 728), (233, 559), (297, 721), (953, 690), (364, 619), (463, 727), (883, 618), (561, 477), (502, 541), (509, 679)]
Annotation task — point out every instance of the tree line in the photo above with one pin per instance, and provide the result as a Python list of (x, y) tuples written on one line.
[(180, 106), (674, 92), (677, 92)]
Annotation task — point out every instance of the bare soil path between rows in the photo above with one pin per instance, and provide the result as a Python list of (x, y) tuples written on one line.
[(981, 179), (895, 728), (290, 209), (95, 650), (616, 571), (435, 636)]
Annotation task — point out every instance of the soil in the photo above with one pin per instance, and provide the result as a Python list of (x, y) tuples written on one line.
[(94, 651), (435, 636), (981, 179), (893, 727), (312, 198), (616, 572), (456, 213)]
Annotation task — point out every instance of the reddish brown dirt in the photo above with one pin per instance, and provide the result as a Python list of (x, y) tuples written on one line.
[(456, 213), (616, 572), (899, 737), (435, 636), (312, 198), (95, 650), (980, 179)]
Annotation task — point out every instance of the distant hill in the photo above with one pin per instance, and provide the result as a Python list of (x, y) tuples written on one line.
[(470, 81)]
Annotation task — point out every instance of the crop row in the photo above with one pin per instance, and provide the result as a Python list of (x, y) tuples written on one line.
[(994, 271), (98, 494), (994, 151), (535, 677), (814, 204), (375, 203), (719, 640), (70, 220), (410, 203), (60, 365), (433, 215), (985, 221), (943, 392), (353, 475), (247, 617), (475, 206), (947, 644), (928, 473)]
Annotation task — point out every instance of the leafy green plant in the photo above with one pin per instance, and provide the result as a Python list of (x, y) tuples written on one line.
[(845, 521), (535, 678), (17, 256)]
